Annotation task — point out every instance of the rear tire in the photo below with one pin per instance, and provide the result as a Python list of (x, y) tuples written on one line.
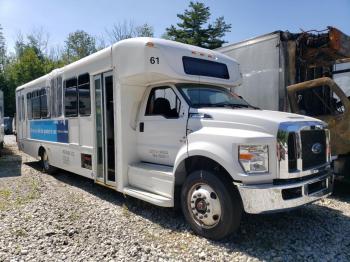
[(45, 163), (211, 205)]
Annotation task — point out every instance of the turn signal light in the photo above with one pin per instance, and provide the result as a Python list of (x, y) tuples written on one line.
[(246, 156)]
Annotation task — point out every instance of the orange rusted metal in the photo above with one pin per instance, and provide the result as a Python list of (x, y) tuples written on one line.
[(339, 124)]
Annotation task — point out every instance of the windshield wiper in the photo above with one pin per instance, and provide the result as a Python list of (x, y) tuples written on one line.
[(224, 105), (235, 105), (206, 105)]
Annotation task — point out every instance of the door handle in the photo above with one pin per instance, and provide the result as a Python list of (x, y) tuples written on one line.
[(142, 126)]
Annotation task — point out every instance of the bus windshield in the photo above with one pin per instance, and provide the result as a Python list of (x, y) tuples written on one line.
[(211, 96)]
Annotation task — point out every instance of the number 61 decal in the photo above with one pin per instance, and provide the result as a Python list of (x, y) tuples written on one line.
[(154, 60)]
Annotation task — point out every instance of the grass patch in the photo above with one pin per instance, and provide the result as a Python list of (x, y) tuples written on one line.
[(20, 232), (31, 194), (5, 195), (126, 211), (26, 191), (73, 216)]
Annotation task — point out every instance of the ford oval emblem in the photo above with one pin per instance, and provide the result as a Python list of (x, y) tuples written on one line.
[(316, 148)]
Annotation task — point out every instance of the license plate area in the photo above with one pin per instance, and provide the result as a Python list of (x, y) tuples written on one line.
[(317, 186)]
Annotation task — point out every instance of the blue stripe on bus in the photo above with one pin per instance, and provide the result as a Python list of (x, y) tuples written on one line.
[(49, 130)]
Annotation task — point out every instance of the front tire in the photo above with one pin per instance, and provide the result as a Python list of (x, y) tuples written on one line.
[(45, 163), (211, 205)]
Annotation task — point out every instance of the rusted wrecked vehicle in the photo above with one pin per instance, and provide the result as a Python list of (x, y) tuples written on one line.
[(322, 98)]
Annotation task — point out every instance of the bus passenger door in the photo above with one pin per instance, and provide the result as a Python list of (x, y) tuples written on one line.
[(105, 157)]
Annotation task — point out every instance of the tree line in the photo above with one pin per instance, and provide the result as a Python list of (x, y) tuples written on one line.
[(33, 57)]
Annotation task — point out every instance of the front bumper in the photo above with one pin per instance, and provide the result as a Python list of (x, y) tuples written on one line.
[(267, 198)]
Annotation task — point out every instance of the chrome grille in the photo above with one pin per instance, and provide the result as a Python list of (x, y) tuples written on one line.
[(295, 144), (309, 140)]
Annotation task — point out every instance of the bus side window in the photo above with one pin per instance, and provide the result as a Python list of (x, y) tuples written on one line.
[(19, 107), (36, 104), (22, 108), (59, 97), (84, 95), (70, 97), (29, 106), (44, 110), (53, 102)]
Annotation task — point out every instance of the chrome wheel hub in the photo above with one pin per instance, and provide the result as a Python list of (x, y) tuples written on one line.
[(204, 205)]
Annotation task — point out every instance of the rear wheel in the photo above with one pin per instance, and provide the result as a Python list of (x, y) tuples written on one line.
[(45, 163), (212, 207)]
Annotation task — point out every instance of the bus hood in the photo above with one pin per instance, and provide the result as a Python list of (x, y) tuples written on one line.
[(245, 119)]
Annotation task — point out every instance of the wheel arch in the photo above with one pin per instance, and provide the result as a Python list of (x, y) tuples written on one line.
[(41, 150), (197, 162)]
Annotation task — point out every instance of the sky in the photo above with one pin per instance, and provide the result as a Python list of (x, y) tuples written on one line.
[(249, 18)]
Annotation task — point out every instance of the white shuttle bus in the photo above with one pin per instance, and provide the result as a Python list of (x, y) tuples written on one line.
[(2, 127), (155, 120)]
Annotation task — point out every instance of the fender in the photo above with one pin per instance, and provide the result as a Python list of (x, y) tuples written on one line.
[(222, 147)]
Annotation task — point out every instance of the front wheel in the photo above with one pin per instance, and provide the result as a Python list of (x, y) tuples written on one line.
[(212, 207), (45, 164)]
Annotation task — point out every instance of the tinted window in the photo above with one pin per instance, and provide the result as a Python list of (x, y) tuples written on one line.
[(19, 111), (53, 98), (44, 112), (84, 94), (36, 106), (22, 108), (29, 105), (163, 101), (71, 97), (59, 96), (201, 67)]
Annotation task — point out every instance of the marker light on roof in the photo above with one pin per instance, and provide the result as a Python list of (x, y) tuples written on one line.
[(203, 54), (150, 44)]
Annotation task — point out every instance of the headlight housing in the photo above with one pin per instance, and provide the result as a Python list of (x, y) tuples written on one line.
[(254, 158)]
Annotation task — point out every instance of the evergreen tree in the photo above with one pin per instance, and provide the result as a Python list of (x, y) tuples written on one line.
[(194, 28)]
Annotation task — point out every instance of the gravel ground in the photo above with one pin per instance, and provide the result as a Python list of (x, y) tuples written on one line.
[(68, 218)]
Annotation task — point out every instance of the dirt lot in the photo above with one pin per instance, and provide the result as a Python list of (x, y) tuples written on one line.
[(68, 218)]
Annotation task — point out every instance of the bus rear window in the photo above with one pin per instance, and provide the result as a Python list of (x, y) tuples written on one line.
[(201, 67)]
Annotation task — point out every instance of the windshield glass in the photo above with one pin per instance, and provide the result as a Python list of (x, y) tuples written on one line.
[(211, 96)]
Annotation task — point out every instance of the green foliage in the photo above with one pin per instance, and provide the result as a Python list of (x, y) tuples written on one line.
[(28, 63), (194, 28), (78, 45)]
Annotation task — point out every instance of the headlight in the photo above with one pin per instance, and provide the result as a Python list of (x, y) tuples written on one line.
[(254, 158)]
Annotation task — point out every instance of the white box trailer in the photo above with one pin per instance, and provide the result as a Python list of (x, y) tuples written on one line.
[(263, 65), (2, 129), (155, 119), (341, 75)]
